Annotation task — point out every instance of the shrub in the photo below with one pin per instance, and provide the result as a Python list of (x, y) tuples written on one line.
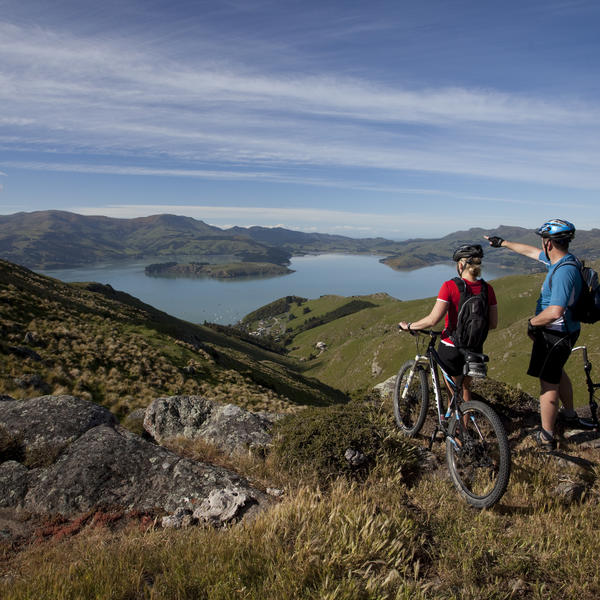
[(314, 441)]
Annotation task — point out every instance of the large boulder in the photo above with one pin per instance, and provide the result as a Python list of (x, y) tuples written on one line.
[(111, 468), (91, 463), (231, 428), (36, 431)]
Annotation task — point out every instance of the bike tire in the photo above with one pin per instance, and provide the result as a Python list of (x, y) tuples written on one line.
[(478, 455), (410, 412)]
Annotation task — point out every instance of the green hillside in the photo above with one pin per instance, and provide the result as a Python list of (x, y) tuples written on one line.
[(365, 348), (106, 346), (59, 239)]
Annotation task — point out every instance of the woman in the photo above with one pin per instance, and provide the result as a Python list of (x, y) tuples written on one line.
[(468, 266)]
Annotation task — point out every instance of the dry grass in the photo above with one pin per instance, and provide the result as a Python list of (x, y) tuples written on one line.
[(382, 538)]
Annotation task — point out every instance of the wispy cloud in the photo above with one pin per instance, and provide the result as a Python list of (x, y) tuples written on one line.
[(209, 118)]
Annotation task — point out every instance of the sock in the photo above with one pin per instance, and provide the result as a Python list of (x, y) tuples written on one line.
[(549, 435)]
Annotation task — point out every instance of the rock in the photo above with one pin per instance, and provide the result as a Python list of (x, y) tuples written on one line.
[(355, 457), (86, 462), (181, 518), (37, 430), (569, 491), (14, 482), (275, 492), (110, 467), (31, 339), (134, 421), (385, 389), (33, 380), (229, 427), (222, 506)]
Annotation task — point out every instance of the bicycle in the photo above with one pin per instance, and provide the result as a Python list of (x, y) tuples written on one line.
[(477, 450), (592, 387)]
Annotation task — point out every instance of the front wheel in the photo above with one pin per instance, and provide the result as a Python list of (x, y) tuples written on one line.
[(478, 454), (411, 398)]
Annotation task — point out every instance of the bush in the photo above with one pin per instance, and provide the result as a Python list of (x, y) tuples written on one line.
[(314, 441)]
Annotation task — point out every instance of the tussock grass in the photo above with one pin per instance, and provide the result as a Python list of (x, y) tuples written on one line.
[(381, 536), (376, 539)]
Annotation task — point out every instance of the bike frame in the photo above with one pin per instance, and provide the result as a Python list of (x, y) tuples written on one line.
[(591, 386), (431, 361)]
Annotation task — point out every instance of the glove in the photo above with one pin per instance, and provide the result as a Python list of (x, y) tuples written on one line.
[(532, 330), (495, 241)]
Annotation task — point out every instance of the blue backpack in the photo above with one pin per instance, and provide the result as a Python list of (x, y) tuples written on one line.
[(587, 307)]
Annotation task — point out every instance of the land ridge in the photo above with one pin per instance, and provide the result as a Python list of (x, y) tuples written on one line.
[(60, 239)]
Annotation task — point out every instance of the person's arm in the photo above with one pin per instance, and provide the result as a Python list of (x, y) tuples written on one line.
[(524, 249), (438, 312), (547, 316)]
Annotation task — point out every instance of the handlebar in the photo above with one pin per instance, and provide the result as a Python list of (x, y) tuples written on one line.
[(429, 332)]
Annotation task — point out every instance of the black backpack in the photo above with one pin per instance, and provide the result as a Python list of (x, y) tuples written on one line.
[(587, 307), (473, 317)]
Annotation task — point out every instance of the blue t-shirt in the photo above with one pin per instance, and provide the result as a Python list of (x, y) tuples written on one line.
[(566, 287)]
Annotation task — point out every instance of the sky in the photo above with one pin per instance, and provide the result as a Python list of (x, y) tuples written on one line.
[(384, 118)]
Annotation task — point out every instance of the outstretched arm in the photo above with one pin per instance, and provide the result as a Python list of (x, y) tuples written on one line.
[(524, 249), (439, 310)]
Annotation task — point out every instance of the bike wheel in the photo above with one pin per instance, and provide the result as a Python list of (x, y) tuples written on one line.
[(410, 411), (478, 455)]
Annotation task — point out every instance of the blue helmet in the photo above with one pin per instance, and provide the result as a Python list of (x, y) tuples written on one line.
[(557, 229)]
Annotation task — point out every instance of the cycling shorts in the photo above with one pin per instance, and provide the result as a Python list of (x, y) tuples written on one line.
[(550, 352), (452, 359)]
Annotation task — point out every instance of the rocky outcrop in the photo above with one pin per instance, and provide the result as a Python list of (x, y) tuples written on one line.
[(94, 464), (36, 431), (385, 389), (231, 428)]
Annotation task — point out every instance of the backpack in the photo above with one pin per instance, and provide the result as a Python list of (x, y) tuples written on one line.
[(587, 307), (473, 317)]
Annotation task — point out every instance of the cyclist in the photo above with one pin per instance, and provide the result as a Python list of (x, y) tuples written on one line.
[(553, 328), (468, 266)]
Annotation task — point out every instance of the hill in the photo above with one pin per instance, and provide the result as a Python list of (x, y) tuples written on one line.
[(396, 530), (364, 347), (57, 239), (106, 346)]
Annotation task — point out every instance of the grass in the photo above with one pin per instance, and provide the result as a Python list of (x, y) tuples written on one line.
[(383, 537), (391, 533)]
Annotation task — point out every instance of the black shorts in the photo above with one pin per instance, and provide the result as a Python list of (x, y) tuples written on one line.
[(550, 352), (453, 360)]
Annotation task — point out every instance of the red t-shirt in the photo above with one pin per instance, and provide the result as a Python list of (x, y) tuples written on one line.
[(450, 293)]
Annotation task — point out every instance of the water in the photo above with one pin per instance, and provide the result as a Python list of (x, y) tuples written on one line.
[(227, 301)]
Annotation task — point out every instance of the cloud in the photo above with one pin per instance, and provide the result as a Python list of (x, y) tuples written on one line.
[(211, 118)]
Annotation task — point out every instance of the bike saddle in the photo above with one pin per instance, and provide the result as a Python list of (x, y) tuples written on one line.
[(475, 356)]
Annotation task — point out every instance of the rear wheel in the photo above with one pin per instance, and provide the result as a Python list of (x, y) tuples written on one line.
[(411, 400), (478, 454)]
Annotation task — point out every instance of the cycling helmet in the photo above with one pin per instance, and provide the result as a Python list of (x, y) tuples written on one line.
[(557, 229), (468, 251)]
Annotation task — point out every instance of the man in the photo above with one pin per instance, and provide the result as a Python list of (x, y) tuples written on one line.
[(553, 328)]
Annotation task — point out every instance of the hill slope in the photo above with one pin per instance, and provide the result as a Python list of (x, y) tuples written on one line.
[(364, 347), (106, 346)]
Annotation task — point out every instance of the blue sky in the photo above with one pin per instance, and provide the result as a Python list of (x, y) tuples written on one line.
[(396, 118)]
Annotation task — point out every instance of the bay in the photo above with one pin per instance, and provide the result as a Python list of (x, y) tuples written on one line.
[(227, 301)]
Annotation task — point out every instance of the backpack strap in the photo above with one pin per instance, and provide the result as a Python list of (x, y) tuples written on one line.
[(575, 263)]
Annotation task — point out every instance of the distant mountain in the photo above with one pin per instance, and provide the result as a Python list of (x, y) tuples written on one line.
[(55, 239), (58, 239), (424, 252)]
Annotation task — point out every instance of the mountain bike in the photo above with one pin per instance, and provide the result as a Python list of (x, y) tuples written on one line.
[(592, 387), (477, 450)]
